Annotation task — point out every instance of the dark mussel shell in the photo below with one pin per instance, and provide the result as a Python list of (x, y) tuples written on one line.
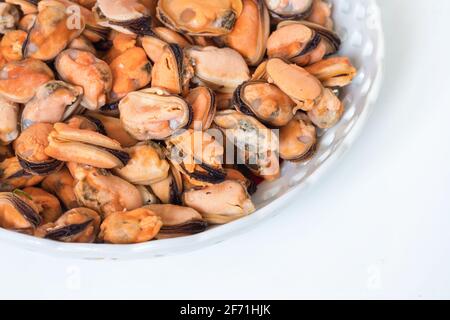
[(191, 227), (68, 231), (140, 26), (24, 208), (41, 169)]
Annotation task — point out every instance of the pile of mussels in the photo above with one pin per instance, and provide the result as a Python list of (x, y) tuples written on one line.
[(98, 98)]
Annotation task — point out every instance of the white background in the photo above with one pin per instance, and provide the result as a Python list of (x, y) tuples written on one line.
[(376, 226)]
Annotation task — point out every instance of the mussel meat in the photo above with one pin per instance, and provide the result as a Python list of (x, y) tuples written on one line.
[(83, 69), (264, 101), (302, 87), (328, 111), (48, 205), (178, 221), (257, 145), (321, 14), (198, 156), (54, 101), (170, 189), (11, 45), (61, 184), (19, 80), (18, 212), (13, 176), (333, 72), (9, 112), (52, 31), (173, 70), (128, 227), (290, 9), (298, 139), (26, 6), (131, 71), (203, 103), (154, 45), (302, 42), (201, 18), (78, 225), (220, 203), (83, 146), (111, 127), (103, 192), (126, 16), (154, 114), (30, 149), (249, 35), (222, 69), (147, 164), (9, 17)]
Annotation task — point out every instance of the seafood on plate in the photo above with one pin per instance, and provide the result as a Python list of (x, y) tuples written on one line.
[(128, 121)]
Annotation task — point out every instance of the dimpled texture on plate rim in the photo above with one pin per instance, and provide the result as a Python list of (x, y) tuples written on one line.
[(358, 23)]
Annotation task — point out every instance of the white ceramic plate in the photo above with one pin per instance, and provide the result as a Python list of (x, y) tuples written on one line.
[(359, 25)]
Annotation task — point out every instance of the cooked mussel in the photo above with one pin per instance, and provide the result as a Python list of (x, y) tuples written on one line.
[(30, 148), (302, 87), (170, 189), (61, 184), (328, 111), (103, 192), (321, 14), (243, 176), (119, 44), (126, 16), (11, 45), (135, 226), (220, 203), (131, 71), (18, 212), (54, 101), (197, 17), (111, 127), (19, 80), (78, 225), (302, 42), (9, 17), (147, 164), (83, 146), (257, 145), (333, 72), (178, 221), (9, 112), (198, 156), (173, 70), (48, 205), (13, 176), (290, 9), (222, 69), (51, 32), (26, 6), (83, 69), (154, 45), (298, 139), (154, 114), (249, 35), (264, 101), (203, 103)]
